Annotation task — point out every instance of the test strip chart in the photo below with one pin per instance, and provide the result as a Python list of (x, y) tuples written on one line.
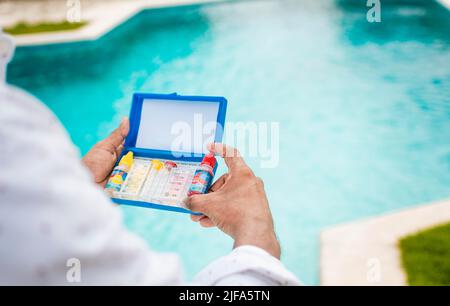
[(158, 181)]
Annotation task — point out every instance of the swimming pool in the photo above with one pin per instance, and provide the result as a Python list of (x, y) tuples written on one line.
[(364, 109)]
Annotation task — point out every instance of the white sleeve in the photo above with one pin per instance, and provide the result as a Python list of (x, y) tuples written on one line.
[(246, 265), (53, 217)]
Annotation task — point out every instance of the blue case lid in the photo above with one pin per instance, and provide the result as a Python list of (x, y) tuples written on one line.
[(170, 124)]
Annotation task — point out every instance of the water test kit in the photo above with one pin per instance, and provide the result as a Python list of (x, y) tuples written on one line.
[(165, 159)]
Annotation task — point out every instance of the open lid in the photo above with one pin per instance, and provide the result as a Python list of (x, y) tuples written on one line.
[(172, 124)]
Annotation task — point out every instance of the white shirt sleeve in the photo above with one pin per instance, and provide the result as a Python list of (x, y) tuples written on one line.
[(58, 227), (247, 265)]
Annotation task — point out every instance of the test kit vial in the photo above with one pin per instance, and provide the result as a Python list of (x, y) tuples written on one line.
[(203, 176), (119, 174)]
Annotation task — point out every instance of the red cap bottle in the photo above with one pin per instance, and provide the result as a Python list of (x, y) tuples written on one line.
[(209, 160), (203, 176)]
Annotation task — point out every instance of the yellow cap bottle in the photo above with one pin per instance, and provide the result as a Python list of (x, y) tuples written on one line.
[(127, 160), (119, 173), (157, 164)]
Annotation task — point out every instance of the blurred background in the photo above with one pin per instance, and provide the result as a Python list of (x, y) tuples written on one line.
[(363, 107)]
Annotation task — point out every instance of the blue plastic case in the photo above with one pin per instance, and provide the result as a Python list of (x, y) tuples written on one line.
[(149, 135)]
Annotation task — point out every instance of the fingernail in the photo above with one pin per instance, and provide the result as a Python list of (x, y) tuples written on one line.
[(210, 146)]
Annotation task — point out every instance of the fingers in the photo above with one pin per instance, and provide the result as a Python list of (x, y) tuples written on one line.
[(206, 222), (196, 218), (203, 220), (199, 203), (219, 183), (231, 155)]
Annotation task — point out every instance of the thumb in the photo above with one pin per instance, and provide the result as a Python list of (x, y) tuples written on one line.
[(115, 141), (124, 127), (117, 137), (232, 157)]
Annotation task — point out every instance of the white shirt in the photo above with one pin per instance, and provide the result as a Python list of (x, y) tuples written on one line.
[(57, 226)]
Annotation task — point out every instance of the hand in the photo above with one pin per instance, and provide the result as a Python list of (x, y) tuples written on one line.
[(237, 204), (103, 156)]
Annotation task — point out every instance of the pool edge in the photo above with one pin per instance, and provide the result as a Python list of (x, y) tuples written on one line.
[(103, 24), (365, 252)]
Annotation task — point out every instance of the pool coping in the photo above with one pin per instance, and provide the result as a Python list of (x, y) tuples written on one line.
[(116, 14), (104, 22), (366, 253), (445, 3)]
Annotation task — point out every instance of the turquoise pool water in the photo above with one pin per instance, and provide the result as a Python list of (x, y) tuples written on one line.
[(364, 109)]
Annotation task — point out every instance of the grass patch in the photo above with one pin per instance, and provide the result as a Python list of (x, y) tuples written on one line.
[(27, 28), (426, 257)]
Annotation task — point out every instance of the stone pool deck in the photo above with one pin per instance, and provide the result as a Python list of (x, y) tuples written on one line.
[(445, 3), (366, 252), (102, 16)]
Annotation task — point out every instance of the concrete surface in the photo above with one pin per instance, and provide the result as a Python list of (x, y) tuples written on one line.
[(366, 252), (102, 16)]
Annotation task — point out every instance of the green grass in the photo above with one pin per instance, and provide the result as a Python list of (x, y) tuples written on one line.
[(26, 28), (426, 257)]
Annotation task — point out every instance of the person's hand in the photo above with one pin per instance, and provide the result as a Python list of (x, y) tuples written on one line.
[(103, 156), (237, 204)]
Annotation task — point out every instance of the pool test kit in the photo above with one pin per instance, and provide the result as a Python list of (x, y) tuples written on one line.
[(165, 159)]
